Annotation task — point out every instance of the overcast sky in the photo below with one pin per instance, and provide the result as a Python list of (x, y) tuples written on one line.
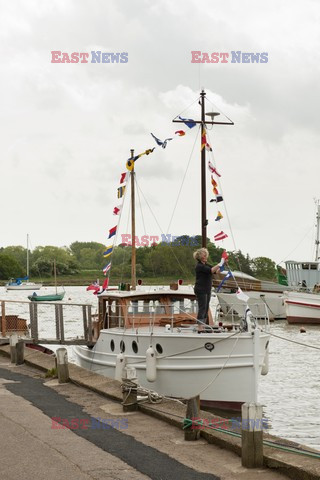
[(67, 129)]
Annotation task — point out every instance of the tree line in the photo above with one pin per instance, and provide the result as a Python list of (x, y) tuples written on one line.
[(158, 260)]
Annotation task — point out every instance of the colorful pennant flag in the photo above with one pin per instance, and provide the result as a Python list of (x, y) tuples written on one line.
[(105, 284), (213, 169), (242, 296), (204, 143), (117, 210), (161, 143), (94, 286), (121, 191), (219, 217), (180, 133), (224, 259), (220, 236), (189, 122), (218, 199), (106, 268), (108, 251), (112, 231), (123, 177), (229, 275), (130, 161)]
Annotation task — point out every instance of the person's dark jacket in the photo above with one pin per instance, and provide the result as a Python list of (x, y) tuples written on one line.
[(203, 282)]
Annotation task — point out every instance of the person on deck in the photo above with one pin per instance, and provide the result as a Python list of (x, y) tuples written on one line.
[(203, 284)]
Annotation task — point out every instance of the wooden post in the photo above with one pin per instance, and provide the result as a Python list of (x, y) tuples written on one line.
[(33, 307), (3, 318), (56, 310), (20, 352), (89, 339), (191, 433), (62, 365), (85, 322), (129, 390), (13, 349), (61, 325), (252, 435)]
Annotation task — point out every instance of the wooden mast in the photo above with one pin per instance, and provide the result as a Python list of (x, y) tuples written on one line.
[(133, 226), (204, 221), (204, 122)]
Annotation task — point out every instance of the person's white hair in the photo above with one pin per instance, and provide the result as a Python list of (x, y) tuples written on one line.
[(197, 255)]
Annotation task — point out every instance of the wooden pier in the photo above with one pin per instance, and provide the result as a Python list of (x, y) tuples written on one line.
[(56, 317)]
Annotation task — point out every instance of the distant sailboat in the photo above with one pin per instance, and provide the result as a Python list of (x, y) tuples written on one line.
[(55, 297), (23, 283)]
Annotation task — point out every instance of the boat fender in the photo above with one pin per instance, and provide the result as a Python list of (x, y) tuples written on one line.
[(151, 364), (265, 365), (120, 365)]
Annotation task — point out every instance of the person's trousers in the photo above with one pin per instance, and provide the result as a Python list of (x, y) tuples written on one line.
[(203, 306)]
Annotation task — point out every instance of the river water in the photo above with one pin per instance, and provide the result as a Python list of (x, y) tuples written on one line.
[(290, 392)]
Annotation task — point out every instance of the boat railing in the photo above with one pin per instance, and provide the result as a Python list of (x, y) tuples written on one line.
[(150, 313), (47, 322)]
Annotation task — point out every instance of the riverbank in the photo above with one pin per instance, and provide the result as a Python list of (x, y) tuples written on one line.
[(88, 276), (219, 455)]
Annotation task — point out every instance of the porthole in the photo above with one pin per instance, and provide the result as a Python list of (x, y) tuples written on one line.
[(112, 345), (122, 346), (135, 346), (159, 348)]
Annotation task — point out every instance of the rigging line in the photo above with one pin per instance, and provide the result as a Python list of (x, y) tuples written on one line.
[(223, 366), (285, 258), (144, 226), (195, 101), (225, 205), (215, 106), (183, 180), (117, 231), (293, 341), (171, 248)]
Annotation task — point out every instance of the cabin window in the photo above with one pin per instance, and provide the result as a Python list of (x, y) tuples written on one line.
[(145, 307), (122, 346), (159, 348), (135, 346), (112, 345), (115, 314)]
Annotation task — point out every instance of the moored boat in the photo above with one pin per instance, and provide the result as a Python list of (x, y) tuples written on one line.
[(222, 364), (154, 335)]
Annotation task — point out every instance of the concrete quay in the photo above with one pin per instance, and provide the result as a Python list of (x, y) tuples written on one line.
[(151, 446)]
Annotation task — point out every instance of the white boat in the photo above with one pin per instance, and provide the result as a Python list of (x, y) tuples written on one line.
[(302, 307), (303, 304), (154, 335), (23, 283), (259, 303)]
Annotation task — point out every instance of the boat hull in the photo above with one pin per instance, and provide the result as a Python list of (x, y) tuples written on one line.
[(260, 303), (24, 286), (188, 366), (302, 307), (46, 298)]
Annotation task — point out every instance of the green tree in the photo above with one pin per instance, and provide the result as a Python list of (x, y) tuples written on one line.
[(264, 268), (239, 261), (19, 254), (9, 267)]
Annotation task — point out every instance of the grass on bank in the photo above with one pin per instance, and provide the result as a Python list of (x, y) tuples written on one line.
[(86, 277)]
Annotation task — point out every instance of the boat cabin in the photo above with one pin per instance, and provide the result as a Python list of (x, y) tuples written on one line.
[(136, 309), (303, 274)]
